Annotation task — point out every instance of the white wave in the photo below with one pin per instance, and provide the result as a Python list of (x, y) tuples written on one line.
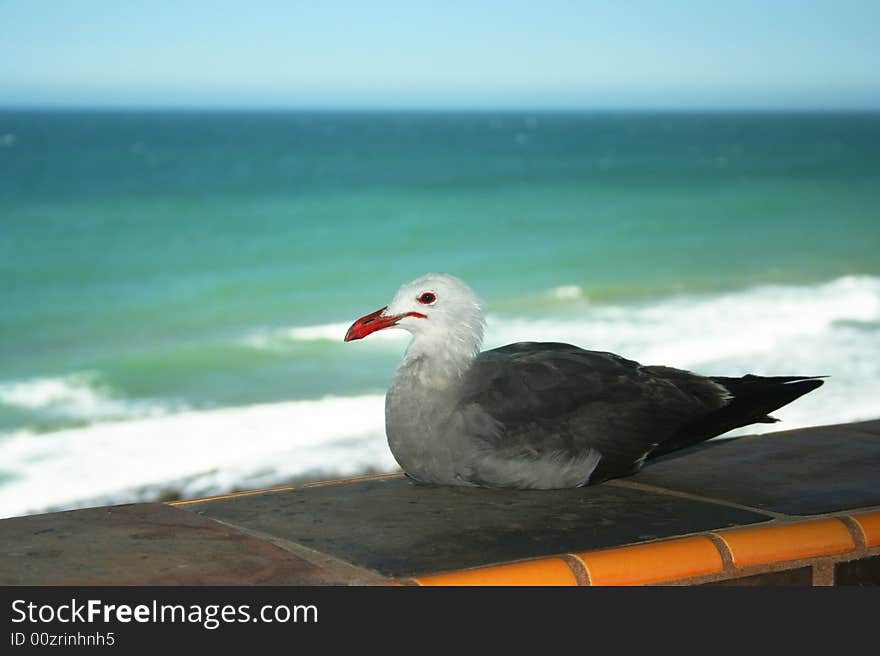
[(77, 396), (44, 392), (692, 330), (205, 451), (273, 337), (567, 293), (277, 338)]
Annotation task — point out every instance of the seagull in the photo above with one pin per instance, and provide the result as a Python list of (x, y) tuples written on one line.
[(541, 415)]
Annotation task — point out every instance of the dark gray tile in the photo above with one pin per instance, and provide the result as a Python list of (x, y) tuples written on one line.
[(801, 472), (401, 529)]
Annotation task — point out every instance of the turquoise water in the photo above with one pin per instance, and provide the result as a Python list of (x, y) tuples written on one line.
[(165, 264)]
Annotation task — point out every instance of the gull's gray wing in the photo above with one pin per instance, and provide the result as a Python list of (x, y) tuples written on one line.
[(557, 403)]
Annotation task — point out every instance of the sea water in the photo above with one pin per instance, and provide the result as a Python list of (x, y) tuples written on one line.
[(175, 286)]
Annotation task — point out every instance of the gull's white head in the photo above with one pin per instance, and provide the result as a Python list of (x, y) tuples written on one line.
[(441, 312)]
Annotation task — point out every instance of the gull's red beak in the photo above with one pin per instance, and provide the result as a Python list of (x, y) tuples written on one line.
[(370, 324), (376, 321)]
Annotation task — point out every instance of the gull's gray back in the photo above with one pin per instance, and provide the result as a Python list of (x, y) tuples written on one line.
[(539, 415)]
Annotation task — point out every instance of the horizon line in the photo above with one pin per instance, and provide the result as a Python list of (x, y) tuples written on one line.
[(442, 109)]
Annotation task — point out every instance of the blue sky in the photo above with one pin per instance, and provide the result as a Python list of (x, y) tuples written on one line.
[(477, 54)]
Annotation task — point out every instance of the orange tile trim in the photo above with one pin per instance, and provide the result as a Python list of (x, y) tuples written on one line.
[(769, 544), (284, 488), (869, 522), (357, 479), (232, 495), (653, 562), (678, 558), (544, 571)]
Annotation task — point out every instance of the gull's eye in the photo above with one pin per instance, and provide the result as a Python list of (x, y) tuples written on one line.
[(428, 298)]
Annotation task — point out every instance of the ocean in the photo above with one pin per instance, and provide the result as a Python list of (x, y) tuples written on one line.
[(176, 285)]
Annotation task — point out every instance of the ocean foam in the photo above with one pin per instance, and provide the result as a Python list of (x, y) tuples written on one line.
[(202, 451), (567, 293), (277, 338), (77, 396), (702, 329)]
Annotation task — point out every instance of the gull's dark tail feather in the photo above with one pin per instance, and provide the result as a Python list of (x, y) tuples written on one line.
[(752, 399)]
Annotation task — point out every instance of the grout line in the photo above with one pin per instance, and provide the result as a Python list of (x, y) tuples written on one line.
[(727, 564), (855, 530), (579, 567), (646, 487), (823, 574)]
